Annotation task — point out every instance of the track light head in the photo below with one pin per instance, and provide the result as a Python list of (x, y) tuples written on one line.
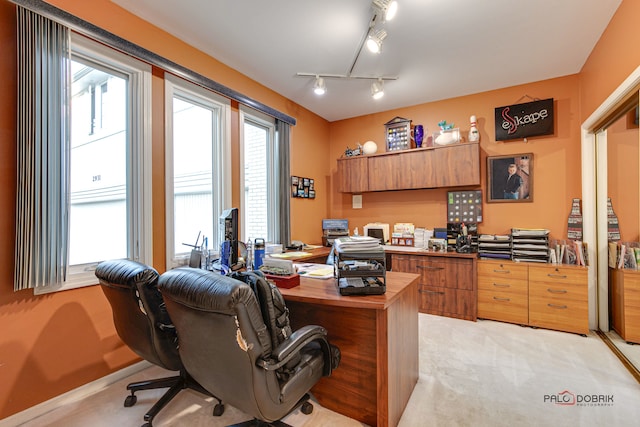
[(377, 89), (319, 88), (374, 41), (388, 8)]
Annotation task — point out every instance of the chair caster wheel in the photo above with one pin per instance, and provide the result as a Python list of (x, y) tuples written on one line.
[(306, 408), (218, 410), (146, 425), (130, 400)]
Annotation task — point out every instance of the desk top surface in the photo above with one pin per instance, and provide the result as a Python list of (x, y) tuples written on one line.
[(325, 292)]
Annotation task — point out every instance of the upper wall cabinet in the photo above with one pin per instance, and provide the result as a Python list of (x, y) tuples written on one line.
[(449, 166)]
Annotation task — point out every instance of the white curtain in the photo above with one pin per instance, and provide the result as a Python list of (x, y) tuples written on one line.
[(43, 156)]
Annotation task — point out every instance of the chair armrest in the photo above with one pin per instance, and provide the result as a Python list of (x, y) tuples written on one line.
[(292, 345)]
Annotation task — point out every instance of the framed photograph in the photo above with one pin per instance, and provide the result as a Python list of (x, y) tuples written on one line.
[(510, 178)]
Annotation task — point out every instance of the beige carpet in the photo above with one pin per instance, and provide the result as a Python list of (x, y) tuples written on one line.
[(471, 374)]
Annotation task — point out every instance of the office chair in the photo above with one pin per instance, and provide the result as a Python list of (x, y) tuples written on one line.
[(228, 347), (143, 324)]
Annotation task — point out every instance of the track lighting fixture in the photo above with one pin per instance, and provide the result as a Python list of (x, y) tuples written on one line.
[(374, 41), (382, 10), (319, 88), (388, 8), (377, 89)]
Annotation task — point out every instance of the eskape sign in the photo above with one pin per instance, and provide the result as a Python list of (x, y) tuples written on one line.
[(524, 120)]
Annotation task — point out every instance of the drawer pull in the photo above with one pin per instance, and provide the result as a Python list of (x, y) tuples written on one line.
[(557, 291), (557, 276), (432, 292), (502, 299), (428, 267), (502, 285), (502, 271), (557, 306)]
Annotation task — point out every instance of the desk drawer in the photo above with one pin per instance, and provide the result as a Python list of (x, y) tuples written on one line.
[(506, 270), (500, 284), (558, 275), (503, 306), (558, 292), (559, 313)]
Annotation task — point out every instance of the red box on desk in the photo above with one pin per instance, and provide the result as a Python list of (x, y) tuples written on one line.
[(286, 282)]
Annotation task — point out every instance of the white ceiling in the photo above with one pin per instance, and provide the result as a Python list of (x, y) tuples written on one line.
[(438, 49)]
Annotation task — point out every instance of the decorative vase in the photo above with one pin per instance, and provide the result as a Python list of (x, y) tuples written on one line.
[(418, 135)]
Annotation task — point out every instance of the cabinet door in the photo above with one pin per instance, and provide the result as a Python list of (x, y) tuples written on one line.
[(458, 165), (459, 273), (353, 174)]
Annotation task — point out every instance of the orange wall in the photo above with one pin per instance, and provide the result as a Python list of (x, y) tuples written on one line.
[(53, 343), (556, 161), (613, 59)]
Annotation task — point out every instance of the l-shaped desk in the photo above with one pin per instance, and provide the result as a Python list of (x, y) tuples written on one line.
[(378, 338)]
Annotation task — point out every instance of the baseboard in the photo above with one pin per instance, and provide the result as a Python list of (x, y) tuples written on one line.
[(72, 395)]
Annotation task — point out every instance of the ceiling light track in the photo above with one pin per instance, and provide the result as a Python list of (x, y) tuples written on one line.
[(382, 9)]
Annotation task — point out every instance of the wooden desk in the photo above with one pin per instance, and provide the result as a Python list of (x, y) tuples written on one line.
[(378, 338), (316, 256)]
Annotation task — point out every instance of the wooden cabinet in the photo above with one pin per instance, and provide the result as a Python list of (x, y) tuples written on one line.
[(558, 298), (624, 286), (503, 291), (353, 174), (447, 284), (450, 166), (542, 295)]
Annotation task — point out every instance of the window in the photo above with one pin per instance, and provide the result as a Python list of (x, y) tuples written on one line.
[(259, 176), (197, 167), (109, 161)]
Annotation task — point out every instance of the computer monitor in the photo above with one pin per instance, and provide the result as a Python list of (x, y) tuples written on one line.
[(229, 232)]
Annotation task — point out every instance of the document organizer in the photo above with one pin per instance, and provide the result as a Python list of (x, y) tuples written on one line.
[(367, 269)]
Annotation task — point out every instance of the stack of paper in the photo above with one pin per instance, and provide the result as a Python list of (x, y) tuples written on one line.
[(494, 246), (531, 245), (358, 244)]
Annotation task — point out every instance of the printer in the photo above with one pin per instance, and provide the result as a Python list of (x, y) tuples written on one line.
[(332, 229)]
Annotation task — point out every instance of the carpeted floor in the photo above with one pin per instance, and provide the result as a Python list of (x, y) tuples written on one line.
[(476, 374)]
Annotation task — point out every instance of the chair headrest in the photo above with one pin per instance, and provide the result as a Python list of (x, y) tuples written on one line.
[(204, 290), (125, 273)]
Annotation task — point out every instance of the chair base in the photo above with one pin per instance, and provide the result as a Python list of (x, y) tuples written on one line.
[(306, 408), (257, 423), (175, 384)]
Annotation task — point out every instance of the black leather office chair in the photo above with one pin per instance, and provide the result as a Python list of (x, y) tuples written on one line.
[(143, 324), (226, 345)]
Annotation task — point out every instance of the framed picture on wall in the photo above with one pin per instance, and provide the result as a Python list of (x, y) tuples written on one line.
[(510, 178)]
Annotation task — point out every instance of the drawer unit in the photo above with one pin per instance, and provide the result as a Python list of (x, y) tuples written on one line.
[(447, 282), (625, 304), (558, 298), (541, 295), (503, 291)]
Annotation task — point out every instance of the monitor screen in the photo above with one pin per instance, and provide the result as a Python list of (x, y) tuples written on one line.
[(229, 232)]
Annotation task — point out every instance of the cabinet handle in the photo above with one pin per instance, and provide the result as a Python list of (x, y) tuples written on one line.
[(428, 267), (557, 276), (557, 306), (502, 271), (502, 299), (431, 292), (502, 285), (557, 291)]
